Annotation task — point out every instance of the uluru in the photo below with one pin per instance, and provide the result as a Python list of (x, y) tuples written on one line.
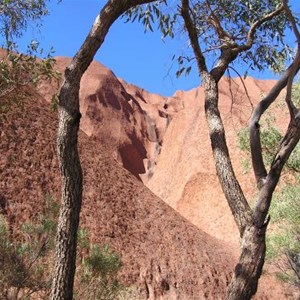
[(150, 186)]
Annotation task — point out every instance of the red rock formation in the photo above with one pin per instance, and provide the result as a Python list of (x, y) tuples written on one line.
[(163, 141), (126, 120), (185, 175), (163, 254)]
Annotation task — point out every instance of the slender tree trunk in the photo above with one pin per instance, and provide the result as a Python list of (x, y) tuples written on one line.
[(252, 223), (230, 185), (62, 285), (71, 173), (248, 270)]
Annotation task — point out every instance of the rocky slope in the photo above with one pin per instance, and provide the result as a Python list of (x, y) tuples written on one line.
[(193, 188), (126, 119), (161, 141), (163, 253), (164, 141)]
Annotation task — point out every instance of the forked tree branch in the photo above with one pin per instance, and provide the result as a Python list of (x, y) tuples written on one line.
[(256, 25), (258, 165), (235, 197), (215, 22), (232, 50), (267, 181), (286, 147)]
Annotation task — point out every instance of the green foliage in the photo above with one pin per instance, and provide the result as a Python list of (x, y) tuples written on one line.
[(26, 263), (270, 139), (244, 140), (235, 18), (296, 92), (151, 14), (294, 160), (19, 72), (12, 269), (97, 272), (15, 16), (83, 241), (165, 17), (54, 103), (102, 261), (283, 242)]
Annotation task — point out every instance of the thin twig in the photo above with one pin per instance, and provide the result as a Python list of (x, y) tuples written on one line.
[(244, 85)]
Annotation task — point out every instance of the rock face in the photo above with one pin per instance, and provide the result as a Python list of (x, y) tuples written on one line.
[(162, 141), (193, 188), (163, 254), (128, 121)]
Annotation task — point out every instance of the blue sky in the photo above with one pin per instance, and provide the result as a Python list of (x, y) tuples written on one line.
[(137, 57)]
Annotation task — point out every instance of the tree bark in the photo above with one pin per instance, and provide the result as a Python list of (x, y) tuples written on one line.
[(258, 165), (235, 197), (252, 223), (248, 270), (230, 186), (67, 148), (71, 174)]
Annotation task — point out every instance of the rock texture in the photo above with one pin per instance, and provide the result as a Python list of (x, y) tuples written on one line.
[(160, 141), (127, 120), (193, 188), (163, 254)]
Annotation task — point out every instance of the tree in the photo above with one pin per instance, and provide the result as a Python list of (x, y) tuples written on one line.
[(283, 246), (67, 141), (227, 31), (233, 41), (21, 71), (15, 15)]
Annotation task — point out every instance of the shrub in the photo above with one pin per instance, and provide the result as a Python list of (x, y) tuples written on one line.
[(283, 243), (26, 263), (97, 273)]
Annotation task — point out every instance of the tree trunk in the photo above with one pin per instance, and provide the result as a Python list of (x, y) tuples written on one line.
[(62, 285), (230, 185), (71, 173), (248, 270), (251, 223)]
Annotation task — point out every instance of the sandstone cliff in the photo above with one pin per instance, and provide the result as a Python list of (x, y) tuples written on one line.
[(163, 143)]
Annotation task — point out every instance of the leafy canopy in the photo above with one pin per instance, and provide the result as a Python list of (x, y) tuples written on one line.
[(19, 72), (15, 15), (221, 24)]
